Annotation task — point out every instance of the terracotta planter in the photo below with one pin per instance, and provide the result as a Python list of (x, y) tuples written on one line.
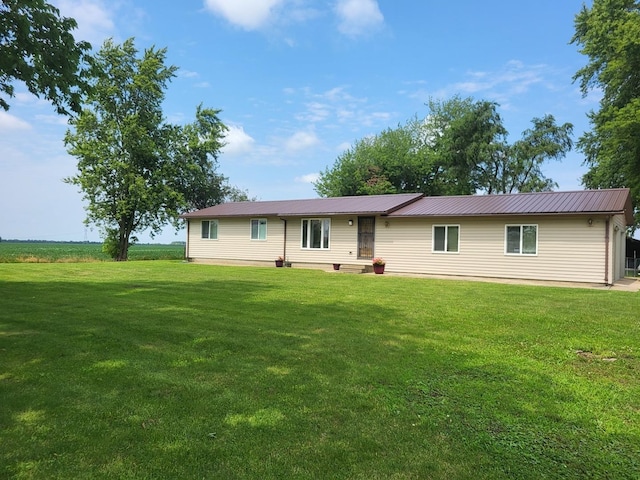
[(378, 269), (279, 263)]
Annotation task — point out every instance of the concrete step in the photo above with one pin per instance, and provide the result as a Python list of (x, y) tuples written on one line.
[(351, 269)]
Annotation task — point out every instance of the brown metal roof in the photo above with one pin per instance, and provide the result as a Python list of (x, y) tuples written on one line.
[(362, 205), (609, 201), (606, 201)]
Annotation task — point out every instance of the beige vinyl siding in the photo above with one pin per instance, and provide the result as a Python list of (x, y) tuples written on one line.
[(568, 248), (343, 243), (234, 240)]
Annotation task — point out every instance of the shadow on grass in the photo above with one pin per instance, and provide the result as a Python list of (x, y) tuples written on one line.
[(248, 376)]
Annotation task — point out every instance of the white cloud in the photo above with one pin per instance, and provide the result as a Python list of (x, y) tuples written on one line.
[(358, 17), (95, 22), (308, 178), (345, 114), (10, 122), (238, 141), (187, 73), (343, 147), (53, 119), (355, 17), (25, 97), (337, 108), (301, 141), (316, 112), (513, 79), (377, 118), (593, 98), (337, 94), (248, 14)]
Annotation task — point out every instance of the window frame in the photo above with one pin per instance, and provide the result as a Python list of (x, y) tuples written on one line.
[(446, 238), (210, 222), (306, 234), (261, 221), (521, 239)]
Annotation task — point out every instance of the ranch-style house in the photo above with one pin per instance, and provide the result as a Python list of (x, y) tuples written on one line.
[(576, 236)]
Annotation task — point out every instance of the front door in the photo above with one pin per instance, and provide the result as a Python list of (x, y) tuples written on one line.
[(366, 237)]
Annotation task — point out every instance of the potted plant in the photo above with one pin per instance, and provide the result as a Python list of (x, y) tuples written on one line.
[(378, 265), (280, 261)]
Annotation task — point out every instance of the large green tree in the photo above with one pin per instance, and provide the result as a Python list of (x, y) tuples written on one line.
[(459, 148), (518, 167), (467, 138), (393, 161), (38, 48), (136, 171), (196, 153), (608, 33)]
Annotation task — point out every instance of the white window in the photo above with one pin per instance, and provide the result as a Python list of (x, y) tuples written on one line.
[(446, 238), (210, 229), (521, 240), (316, 233), (259, 229)]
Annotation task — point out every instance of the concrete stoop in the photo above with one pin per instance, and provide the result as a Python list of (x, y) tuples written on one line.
[(357, 269)]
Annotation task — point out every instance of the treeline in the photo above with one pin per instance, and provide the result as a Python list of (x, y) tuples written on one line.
[(16, 240), (76, 242), (460, 148)]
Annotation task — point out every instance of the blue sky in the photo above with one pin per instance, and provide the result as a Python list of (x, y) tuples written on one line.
[(298, 81)]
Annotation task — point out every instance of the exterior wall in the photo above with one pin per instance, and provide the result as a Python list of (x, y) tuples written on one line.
[(569, 249), (343, 243), (618, 247), (234, 241)]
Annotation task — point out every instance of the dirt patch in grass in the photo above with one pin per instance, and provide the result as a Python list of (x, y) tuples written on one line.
[(594, 356)]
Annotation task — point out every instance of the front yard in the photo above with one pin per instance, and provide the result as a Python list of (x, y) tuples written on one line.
[(171, 370)]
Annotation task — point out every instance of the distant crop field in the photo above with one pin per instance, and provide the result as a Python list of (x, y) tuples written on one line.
[(68, 252)]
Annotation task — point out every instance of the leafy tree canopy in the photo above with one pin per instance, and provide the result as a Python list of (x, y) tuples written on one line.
[(37, 48), (460, 148), (200, 184), (136, 171), (608, 33)]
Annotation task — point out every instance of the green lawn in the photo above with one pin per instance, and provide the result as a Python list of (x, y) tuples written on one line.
[(171, 370)]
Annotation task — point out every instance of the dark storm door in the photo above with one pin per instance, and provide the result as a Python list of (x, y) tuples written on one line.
[(366, 237)]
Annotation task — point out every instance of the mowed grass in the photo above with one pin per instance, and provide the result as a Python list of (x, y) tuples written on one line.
[(146, 370), (73, 252)]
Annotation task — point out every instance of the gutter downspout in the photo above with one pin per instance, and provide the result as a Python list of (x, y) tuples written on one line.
[(606, 251), (284, 246), (186, 244)]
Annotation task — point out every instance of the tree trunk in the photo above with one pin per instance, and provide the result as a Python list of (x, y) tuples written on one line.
[(123, 247)]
